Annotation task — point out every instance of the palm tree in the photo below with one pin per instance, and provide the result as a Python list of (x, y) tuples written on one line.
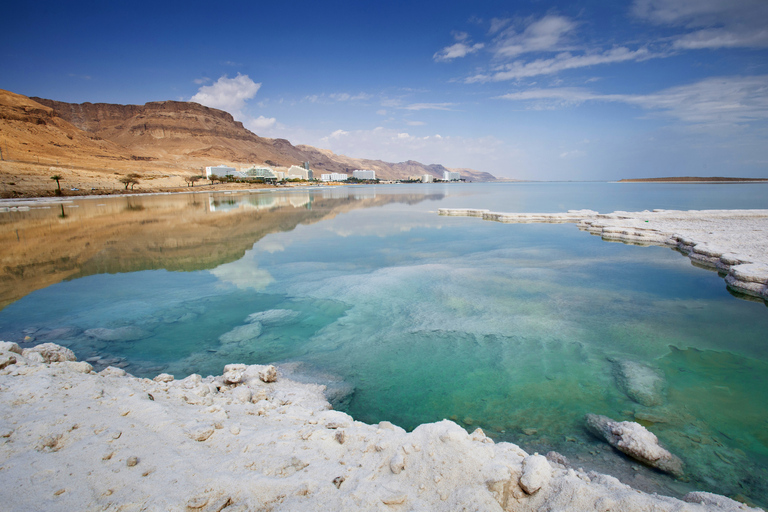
[(57, 178)]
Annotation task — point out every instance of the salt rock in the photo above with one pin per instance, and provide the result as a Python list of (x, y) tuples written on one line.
[(75, 366), (50, 352), (536, 473), (242, 333), (636, 441), (268, 374), (127, 333), (715, 500), (242, 394), (273, 316), (164, 377), (641, 383), (191, 381), (10, 346), (233, 373), (397, 462), (111, 371), (7, 360)]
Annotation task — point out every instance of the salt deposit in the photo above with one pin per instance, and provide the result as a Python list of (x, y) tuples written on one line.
[(73, 439)]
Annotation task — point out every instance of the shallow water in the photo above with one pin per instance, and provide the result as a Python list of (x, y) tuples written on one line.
[(517, 329)]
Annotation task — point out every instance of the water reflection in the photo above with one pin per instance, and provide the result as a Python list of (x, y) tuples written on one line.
[(47, 244)]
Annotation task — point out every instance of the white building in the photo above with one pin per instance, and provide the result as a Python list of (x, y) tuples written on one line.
[(221, 170), (427, 178), (334, 176), (298, 172), (451, 176), (364, 174)]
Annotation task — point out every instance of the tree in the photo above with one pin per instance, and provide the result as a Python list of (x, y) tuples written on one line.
[(191, 180), (131, 179), (58, 186)]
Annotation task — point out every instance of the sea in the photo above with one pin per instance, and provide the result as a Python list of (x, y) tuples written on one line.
[(412, 317)]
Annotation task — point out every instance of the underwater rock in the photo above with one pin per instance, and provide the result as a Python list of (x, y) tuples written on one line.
[(50, 353), (60, 333), (242, 333), (636, 441), (640, 382), (127, 333), (273, 316)]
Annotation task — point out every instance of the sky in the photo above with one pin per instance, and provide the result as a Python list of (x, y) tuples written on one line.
[(536, 90)]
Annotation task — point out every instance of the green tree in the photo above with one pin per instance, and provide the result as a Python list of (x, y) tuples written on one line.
[(56, 177), (131, 179), (191, 180)]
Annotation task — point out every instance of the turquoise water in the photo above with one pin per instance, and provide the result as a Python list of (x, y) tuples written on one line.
[(411, 317)]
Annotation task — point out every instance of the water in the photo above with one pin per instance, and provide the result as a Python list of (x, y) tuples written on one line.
[(411, 317)]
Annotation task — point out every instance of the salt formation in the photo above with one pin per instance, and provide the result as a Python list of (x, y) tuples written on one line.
[(636, 441), (734, 242), (640, 382), (73, 439)]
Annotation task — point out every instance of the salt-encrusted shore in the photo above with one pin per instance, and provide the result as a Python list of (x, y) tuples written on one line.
[(733, 242), (73, 439)]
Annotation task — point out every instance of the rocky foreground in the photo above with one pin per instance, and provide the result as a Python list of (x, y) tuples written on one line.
[(73, 439), (733, 242)]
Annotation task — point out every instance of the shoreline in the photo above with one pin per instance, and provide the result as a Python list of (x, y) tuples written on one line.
[(251, 439), (721, 240)]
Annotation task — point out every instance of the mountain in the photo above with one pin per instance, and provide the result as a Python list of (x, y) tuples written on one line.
[(190, 136)]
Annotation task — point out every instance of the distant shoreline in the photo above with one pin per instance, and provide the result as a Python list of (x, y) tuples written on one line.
[(692, 179)]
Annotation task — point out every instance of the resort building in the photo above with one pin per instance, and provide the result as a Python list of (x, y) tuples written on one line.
[(364, 174), (334, 176), (301, 173), (221, 170), (451, 176), (260, 172), (427, 178)]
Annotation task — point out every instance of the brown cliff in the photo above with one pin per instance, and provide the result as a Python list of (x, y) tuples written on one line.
[(95, 144)]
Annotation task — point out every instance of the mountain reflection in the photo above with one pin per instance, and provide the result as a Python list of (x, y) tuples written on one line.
[(184, 232)]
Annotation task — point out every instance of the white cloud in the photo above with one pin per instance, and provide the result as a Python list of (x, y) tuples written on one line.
[(381, 112), (561, 62), (461, 48), (715, 101), (202, 80), (260, 123), (415, 123), (229, 94), (429, 106), (710, 23), (547, 34)]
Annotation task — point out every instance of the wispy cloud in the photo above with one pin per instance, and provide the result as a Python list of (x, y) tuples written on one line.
[(563, 61), (733, 100), (710, 24), (461, 48), (429, 106), (550, 33)]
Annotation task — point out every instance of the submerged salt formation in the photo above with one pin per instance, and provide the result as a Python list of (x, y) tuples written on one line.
[(73, 439), (733, 242)]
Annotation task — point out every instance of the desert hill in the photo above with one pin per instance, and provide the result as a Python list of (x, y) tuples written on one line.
[(165, 140)]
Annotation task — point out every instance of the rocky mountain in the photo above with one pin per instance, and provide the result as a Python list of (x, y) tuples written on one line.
[(188, 135)]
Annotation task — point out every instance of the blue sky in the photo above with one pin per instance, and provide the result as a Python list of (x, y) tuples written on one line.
[(587, 90)]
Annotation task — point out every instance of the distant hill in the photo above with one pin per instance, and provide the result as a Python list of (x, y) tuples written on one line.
[(189, 135), (684, 179)]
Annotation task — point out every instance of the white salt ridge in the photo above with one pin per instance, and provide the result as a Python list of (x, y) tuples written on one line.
[(72, 439), (734, 242)]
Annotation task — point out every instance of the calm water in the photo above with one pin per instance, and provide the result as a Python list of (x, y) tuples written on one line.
[(411, 317)]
